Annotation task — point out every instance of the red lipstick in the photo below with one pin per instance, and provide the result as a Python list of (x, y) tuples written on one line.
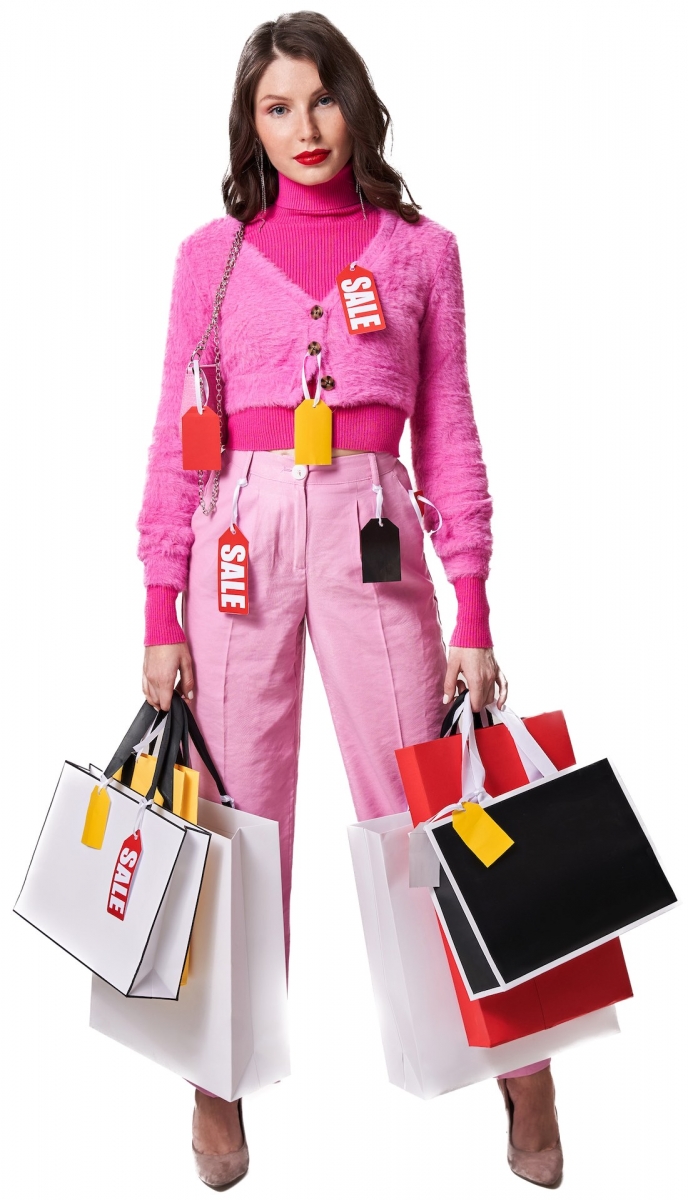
[(311, 158)]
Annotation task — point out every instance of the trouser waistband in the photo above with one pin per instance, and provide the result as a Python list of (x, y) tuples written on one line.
[(344, 468)]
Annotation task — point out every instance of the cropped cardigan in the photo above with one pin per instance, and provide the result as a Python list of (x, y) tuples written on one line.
[(415, 368)]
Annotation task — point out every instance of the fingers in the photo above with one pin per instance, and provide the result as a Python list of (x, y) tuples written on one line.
[(481, 692), (482, 674), (160, 667), (150, 692), (450, 680), (186, 682), (502, 688)]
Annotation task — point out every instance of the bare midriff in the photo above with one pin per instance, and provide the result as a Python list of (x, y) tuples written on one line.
[(335, 453)]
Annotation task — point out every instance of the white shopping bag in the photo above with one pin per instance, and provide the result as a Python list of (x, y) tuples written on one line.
[(424, 1040), (68, 890), (228, 1030)]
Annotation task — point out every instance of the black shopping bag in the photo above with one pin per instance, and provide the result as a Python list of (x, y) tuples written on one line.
[(581, 870)]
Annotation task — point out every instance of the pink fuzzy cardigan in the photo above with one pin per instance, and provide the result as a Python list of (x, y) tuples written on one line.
[(415, 369)]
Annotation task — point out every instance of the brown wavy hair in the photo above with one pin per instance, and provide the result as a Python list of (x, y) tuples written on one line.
[(309, 35)]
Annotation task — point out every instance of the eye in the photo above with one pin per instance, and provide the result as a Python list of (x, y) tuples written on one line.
[(326, 101), (277, 110)]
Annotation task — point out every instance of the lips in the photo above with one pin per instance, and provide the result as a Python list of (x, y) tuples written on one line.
[(311, 158)]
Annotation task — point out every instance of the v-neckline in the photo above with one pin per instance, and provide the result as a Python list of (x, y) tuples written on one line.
[(371, 253)]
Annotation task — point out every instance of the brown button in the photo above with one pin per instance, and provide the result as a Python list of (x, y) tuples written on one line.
[(314, 348), (316, 312), (327, 382)]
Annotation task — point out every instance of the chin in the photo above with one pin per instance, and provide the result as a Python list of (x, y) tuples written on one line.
[(319, 174)]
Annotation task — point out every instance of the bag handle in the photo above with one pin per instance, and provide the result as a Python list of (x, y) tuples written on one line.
[(536, 763), (146, 726), (450, 724), (183, 727)]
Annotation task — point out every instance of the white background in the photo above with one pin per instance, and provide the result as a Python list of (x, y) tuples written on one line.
[(551, 138)]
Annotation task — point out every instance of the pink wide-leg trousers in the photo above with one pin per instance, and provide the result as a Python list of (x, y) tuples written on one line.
[(379, 646)]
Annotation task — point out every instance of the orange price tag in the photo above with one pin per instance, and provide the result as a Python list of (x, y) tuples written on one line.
[(360, 301)]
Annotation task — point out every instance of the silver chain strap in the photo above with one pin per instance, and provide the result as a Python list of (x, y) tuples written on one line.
[(213, 327)]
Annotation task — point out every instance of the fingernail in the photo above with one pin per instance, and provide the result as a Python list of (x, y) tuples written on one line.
[(444, 699), (189, 695)]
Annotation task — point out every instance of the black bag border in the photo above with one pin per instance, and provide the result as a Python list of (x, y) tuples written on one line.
[(568, 957), (128, 794)]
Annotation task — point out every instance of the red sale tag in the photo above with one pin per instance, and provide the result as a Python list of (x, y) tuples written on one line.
[(232, 572), (127, 861), (201, 449), (360, 301)]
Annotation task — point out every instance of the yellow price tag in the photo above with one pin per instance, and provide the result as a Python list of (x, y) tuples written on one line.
[(482, 835), (96, 818), (313, 433)]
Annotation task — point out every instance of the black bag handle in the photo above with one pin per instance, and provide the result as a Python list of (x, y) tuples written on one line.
[(182, 726), (174, 748), (146, 718), (450, 726), (199, 743)]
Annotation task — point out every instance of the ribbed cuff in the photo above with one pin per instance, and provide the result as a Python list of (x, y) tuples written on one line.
[(473, 622), (162, 626)]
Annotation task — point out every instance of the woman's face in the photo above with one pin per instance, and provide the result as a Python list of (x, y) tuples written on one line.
[(300, 123)]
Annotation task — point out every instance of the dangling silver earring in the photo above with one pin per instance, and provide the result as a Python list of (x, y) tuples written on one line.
[(360, 196), (258, 151)]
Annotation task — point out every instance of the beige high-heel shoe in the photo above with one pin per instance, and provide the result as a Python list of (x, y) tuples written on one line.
[(221, 1171), (543, 1167)]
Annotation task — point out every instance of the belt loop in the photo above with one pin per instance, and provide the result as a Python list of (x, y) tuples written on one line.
[(374, 472), (377, 486)]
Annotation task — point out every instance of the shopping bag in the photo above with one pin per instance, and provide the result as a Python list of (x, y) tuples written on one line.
[(580, 871), (425, 1044), (228, 1031), (138, 770), (121, 902), (431, 774)]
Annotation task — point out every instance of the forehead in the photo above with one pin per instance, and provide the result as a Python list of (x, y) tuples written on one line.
[(289, 78)]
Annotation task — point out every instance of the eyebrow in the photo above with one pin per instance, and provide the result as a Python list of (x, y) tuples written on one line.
[(321, 91)]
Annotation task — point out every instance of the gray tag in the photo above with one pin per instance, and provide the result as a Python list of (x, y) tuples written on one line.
[(424, 865)]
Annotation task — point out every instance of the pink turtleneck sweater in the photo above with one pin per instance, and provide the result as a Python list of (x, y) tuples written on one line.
[(309, 233)]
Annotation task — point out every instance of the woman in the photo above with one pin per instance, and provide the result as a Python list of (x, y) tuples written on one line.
[(311, 190)]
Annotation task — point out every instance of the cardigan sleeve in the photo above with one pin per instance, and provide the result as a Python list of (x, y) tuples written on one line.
[(170, 493), (446, 453)]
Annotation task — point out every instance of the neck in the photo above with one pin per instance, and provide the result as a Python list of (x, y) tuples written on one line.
[(334, 196)]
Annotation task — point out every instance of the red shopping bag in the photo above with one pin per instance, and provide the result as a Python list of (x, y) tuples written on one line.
[(431, 775)]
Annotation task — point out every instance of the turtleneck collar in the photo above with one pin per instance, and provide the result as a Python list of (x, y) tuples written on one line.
[(318, 199)]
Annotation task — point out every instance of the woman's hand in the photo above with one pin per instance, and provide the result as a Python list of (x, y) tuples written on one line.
[(481, 672), (160, 666)]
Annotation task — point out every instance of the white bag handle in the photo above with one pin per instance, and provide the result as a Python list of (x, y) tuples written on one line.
[(535, 762), (424, 870)]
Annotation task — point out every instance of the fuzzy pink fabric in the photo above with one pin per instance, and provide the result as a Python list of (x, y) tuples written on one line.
[(415, 369), (311, 232)]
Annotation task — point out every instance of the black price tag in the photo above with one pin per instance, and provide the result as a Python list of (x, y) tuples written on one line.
[(380, 551)]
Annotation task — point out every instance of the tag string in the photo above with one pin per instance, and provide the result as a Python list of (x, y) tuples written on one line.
[(304, 381), (152, 733), (235, 503), (419, 514), (377, 488), (198, 377)]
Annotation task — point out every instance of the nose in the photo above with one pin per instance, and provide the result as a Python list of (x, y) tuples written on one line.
[(308, 131)]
